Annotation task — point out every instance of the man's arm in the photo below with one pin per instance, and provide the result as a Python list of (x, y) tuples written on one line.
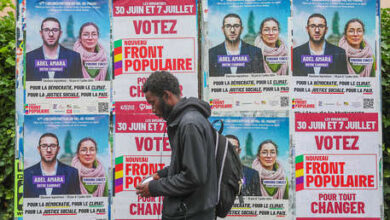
[(194, 165)]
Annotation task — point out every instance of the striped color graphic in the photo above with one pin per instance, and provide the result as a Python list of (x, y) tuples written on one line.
[(119, 174), (118, 58), (299, 173)]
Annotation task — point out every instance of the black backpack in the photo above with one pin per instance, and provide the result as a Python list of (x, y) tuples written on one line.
[(229, 170)]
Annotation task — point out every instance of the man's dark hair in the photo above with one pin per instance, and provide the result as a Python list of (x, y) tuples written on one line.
[(351, 21), (233, 137), (51, 19), (231, 15), (160, 81), (316, 15), (48, 135)]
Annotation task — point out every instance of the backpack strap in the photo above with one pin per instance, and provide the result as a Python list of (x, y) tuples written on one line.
[(222, 161)]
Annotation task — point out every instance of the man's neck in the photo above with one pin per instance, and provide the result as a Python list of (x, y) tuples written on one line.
[(232, 46), (50, 51), (316, 47), (49, 167)]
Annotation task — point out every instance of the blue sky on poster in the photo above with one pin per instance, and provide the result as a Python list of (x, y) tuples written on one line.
[(261, 128), (301, 10), (37, 10), (261, 9), (95, 126)]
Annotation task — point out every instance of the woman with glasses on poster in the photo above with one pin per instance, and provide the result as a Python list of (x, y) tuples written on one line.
[(93, 179), (360, 58), (93, 56), (273, 180), (274, 49)]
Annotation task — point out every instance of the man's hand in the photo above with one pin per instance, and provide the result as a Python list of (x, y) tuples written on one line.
[(143, 190), (156, 176)]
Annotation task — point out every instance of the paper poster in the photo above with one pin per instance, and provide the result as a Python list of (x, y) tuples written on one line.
[(263, 146), (142, 148), (66, 167), (147, 36), (335, 55), (67, 60), (248, 53), (337, 166)]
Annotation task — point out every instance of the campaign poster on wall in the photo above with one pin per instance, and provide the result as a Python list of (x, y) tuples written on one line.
[(335, 52), (66, 167), (154, 36), (142, 148), (67, 59), (337, 166), (263, 146), (248, 50)]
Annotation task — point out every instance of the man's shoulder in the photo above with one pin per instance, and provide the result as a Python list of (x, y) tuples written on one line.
[(249, 47), (334, 48), (66, 167), (33, 169), (301, 47), (219, 47), (35, 52), (248, 170), (67, 51)]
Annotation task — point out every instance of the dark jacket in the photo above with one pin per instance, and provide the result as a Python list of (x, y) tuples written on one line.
[(72, 69), (251, 186), (71, 185), (189, 183), (255, 64), (338, 66)]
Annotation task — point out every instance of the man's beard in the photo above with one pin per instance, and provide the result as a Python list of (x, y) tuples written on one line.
[(319, 41), (235, 41), (53, 45), (165, 109)]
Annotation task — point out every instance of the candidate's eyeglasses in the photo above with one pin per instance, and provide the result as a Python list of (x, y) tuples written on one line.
[(53, 30), (270, 30), (229, 26), (51, 146), (266, 153), (320, 26), (353, 31), (85, 150), (89, 35)]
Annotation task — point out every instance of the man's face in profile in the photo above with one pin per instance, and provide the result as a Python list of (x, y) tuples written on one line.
[(48, 149), (236, 145), (316, 28), (232, 29), (50, 33)]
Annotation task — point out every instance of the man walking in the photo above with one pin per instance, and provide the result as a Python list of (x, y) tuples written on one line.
[(189, 183)]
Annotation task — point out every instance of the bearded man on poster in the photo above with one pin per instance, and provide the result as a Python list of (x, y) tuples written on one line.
[(189, 183), (65, 178), (52, 60), (234, 56), (318, 56)]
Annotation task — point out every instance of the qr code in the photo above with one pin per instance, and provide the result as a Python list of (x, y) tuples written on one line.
[(368, 103), (102, 107), (283, 101)]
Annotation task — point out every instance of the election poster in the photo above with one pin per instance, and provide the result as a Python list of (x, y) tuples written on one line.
[(154, 36), (263, 146), (335, 54), (337, 166), (141, 149), (66, 167), (67, 59), (248, 54)]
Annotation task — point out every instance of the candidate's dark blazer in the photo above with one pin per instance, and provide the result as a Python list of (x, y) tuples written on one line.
[(251, 186), (73, 69), (71, 185), (255, 64), (339, 65)]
